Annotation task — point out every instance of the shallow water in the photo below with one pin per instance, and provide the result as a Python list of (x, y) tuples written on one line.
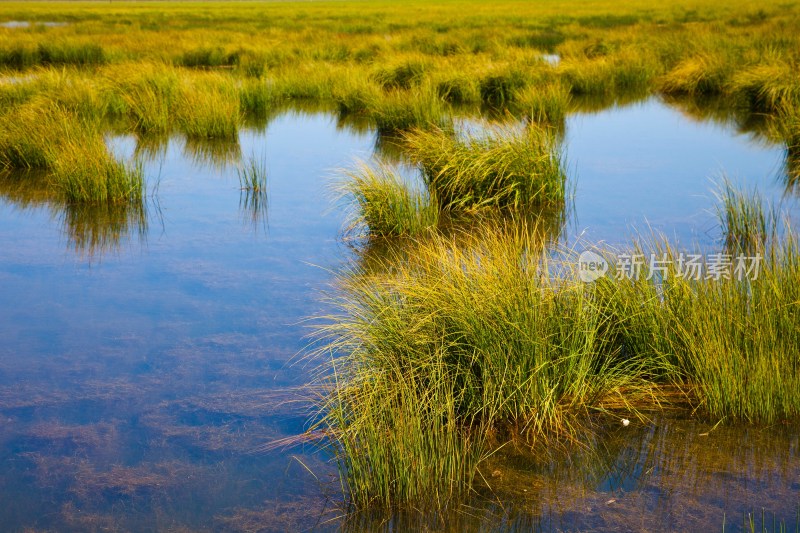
[(12, 24), (648, 165), (147, 356)]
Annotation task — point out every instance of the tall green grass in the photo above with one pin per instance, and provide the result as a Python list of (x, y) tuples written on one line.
[(208, 111), (440, 357), (745, 220), (499, 88), (53, 53), (737, 341), (148, 94), (384, 204), (252, 174), (545, 103), (505, 167), (254, 197), (72, 150), (404, 110), (446, 349)]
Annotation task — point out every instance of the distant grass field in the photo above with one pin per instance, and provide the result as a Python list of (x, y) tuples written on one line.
[(203, 69)]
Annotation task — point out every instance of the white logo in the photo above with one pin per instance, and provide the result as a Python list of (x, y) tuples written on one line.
[(591, 266)]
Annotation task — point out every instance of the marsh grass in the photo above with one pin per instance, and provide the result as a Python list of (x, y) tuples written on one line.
[(84, 175), (254, 196), (499, 88), (149, 94), (384, 204), (448, 347), (458, 88), (400, 110), (545, 103), (404, 75), (353, 95), (72, 150), (745, 220), (206, 57), (257, 99), (506, 167), (209, 112), (252, 174), (441, 357), (58, 53)]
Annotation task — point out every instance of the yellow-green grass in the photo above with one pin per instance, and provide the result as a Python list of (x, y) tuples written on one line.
[(452, 353), (446, 348), (208, 111), (461, 51), (545, 103), (252, 174), (447, 351), (506, 171), (383, 204), (505, 167), (744, 219), (44, 136)]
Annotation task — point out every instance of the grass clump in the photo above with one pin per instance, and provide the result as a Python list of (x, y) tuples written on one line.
[(400, 110), (208, 111), (440, 355), (254, 199), (767, 87), (445, 350), (458, 89), (252, 174), (402, 76), (545, 103), (385, 204), (355, 96), (149, 96), (89, 175), (257, 98), (499, 88), (745, 224), (698, 75), (207, 57), (69, 53), (504, 168), (59, 53), (736, 340), (73, 152)]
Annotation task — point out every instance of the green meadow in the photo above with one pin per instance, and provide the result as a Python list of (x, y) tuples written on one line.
[(470, 330)]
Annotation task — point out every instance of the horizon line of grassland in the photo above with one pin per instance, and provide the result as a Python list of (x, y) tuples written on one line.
[(444, 348)]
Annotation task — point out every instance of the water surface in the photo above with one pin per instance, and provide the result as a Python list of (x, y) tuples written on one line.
[(147, 355)]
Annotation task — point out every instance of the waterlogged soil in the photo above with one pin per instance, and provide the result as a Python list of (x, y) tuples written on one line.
[(149, 356)]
